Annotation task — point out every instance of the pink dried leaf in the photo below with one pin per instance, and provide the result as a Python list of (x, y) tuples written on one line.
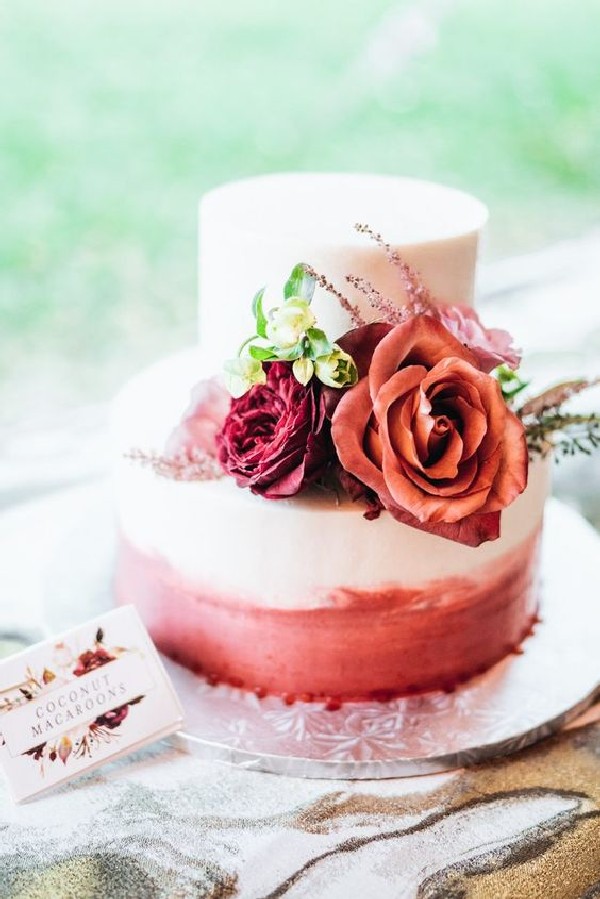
[(555, 396), (64, 749)]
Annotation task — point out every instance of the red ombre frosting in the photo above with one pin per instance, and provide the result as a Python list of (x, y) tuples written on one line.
[(358, 644)]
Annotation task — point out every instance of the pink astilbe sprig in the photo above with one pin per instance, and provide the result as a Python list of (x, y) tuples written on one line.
[(192, 464), (391, 313), (353, 311), (419, 297)]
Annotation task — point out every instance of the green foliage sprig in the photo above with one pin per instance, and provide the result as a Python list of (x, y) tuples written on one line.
[(566, 434), (289, 333), (548, 427)]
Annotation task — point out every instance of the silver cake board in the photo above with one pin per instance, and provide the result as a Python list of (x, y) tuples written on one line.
[(521, 700)]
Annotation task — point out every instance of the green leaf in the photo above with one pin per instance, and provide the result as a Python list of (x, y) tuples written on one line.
[(262, 353), (258, 313), (300, 283), (510, 394), (291, 353), (318, 343), (258, 298), (510, 382)]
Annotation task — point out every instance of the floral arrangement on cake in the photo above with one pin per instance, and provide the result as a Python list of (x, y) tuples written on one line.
[(418, 412)]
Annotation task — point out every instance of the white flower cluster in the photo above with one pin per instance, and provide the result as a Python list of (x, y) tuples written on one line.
[(289, 333)]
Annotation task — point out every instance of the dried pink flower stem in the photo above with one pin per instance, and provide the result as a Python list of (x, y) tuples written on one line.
[(352, 310), (419, 297), (192, 465), (391, 313), (556, 396)]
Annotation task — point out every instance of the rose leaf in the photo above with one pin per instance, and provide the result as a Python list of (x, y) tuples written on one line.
[(318, 343), (258, 312), (289, 354), (301, 283), (261, 353)]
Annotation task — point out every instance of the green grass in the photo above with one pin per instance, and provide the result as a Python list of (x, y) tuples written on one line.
[(116, 117)]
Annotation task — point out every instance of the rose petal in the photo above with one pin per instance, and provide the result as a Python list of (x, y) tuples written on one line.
[(393, 427), (203, 419), (447, 466), (458, 486), (348, 426), (418, 341), (361, 343), (511, 477), (372, 444), (472, 530), (455, 374), (422, 426)]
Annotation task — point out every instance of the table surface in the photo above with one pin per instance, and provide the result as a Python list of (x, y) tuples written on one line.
[(162, 823)]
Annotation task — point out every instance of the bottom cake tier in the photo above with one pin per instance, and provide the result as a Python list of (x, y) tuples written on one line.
[(305, 598), (359, 645)]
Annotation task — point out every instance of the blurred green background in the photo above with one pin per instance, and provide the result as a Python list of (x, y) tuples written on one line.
[(116, 117)]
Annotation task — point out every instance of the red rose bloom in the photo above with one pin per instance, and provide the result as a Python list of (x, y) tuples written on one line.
[(89, 661), (275, 439), (429, 432), (114, 718)]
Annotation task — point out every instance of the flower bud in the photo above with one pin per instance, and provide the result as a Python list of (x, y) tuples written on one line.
[(289, 322), (337, 369), (303, 369), (243, 373)]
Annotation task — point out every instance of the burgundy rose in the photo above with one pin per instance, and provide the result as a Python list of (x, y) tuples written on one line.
[(113, 718), (429, 432), (90, 660), (275, 439)]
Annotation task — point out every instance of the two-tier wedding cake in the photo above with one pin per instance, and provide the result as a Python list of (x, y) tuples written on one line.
[(349, 512)]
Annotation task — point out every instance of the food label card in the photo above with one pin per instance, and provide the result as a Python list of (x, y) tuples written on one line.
[(81, 699)]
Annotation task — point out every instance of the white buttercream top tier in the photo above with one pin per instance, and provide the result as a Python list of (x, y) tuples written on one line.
[(252, 232)]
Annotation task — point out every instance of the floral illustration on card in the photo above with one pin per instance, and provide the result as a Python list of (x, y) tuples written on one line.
[(88, 690)]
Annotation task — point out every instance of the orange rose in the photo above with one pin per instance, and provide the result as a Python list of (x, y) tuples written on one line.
[(429, 432)]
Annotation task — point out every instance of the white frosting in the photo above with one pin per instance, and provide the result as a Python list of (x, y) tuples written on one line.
[(253, 232), (275, 553)]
